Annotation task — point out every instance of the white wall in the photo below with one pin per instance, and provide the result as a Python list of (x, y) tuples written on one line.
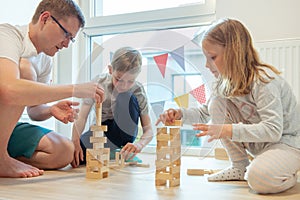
[(17, 12), (20, 12), (266, 19)]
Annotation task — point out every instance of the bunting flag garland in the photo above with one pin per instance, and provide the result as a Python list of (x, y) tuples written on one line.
[(182, 101), (199, 94), (178, 55), (158, 107), (161, 61)]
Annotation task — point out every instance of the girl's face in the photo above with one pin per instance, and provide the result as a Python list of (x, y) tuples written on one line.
[(122, 82), (214, 57)]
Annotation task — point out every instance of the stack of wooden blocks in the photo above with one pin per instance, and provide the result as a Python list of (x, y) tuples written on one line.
[(97, 159), (168, 155)]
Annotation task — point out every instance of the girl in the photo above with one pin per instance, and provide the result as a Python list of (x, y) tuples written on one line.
[(252, 110)]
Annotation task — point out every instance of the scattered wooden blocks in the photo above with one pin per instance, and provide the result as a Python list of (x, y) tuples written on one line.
[(120, 162), (136, 164)]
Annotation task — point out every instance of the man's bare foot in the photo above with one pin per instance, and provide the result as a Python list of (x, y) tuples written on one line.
[(12, 168)]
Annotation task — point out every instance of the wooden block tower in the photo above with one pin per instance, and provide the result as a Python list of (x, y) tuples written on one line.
[(168, 155), (97, 159)]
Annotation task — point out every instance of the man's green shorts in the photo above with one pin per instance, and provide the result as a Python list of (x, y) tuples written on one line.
[(25, 139)]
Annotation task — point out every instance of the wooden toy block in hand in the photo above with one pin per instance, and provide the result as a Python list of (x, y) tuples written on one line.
[(175, 123)]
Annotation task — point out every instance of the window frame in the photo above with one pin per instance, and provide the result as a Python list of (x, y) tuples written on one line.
[(170, 18), (184, 16)]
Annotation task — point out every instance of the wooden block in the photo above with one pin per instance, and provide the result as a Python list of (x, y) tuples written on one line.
[(160, 182), (221, 154), (96, 175), (122, 161), (174, 183), (200, 172), (136, 164), (93, 175), (175, 123), (164, 176), (175, 143), (98, 128), (162, 163), (175, 169), (176, 162), (94, 163), (96, 152), (175, 132), (98, 108), (162, 153), (163, 137), (98, 139)]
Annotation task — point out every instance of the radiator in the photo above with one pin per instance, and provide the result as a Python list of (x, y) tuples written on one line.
[(285, 56)]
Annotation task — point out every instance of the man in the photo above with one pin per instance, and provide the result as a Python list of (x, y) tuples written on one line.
[(54, 24)]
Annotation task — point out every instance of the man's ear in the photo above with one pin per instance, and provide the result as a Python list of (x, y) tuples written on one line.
[(44, 17), (110, 69)]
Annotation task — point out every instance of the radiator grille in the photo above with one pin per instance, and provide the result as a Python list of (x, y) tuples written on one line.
[(285, 56)]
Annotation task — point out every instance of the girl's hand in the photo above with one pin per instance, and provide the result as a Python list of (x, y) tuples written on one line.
[(169, 115), (215, 131)]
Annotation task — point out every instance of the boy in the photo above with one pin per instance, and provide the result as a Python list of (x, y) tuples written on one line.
[(125, 103)]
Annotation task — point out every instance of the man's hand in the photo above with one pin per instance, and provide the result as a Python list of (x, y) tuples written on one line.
[(89, 90), (64, 111)]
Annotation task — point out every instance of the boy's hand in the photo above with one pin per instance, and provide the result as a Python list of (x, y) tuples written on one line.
[(78, 153), (130, 150)]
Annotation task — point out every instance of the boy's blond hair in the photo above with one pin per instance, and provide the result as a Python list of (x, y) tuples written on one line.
[(127, 59)]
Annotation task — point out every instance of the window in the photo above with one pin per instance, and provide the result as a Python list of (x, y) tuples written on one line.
[(169, 32), (115, 7)]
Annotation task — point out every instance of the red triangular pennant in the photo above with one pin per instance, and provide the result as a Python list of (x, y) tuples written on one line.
[(199, 94), (161, 61)]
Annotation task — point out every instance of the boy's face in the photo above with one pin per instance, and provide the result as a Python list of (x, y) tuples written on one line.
[(122, 82)]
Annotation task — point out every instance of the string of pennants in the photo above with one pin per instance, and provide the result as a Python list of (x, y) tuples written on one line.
[(161, 62), (183, 100)]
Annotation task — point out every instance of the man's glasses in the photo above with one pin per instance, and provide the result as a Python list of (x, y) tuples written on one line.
[(67, 34)]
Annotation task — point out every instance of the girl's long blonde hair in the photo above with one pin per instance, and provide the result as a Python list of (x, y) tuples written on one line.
[(242, 65)]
